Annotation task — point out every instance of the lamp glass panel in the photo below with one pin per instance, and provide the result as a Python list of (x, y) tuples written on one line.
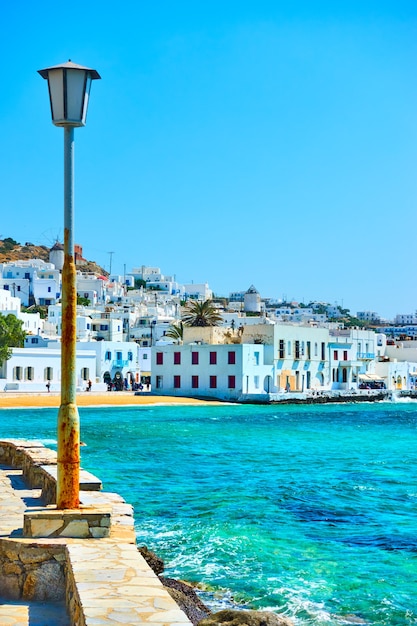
[(86, 97), (56, 93), (75, 95)]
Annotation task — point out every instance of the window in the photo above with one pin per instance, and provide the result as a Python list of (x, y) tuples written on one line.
[(289, 348), (145, 356), (213, 382), (256, 382), (177, 382), (334, 375), (130, 356), (316, 349), (104, 327), (29, 373), (344, 375), (302, 348), (323, 351), (108, 355), (231, 357), (177, 358), (48, 373), (85, 373), (34, 340), (194, 358), (119, 356), (345, 357), (159, 380), (297, 350), (213, 358), (159, 358), (18, 287), (194, 382), (281, 349), (231, 382), (17, 373), (335, 355), (308, 350), (256, 358), (49, 290)]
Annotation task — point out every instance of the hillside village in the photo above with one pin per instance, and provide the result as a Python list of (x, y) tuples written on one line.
[(261, 349)]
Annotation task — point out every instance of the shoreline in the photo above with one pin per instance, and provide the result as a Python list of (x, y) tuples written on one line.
[(16, 400)]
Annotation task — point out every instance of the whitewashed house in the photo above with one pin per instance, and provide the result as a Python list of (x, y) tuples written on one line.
[(115, 361), (29, 369), (223, 371), (8, 302)]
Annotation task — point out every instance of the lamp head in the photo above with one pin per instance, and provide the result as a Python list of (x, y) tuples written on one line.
[(69, 90)]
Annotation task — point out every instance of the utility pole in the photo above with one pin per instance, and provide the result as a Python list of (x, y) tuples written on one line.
[(111, 254)]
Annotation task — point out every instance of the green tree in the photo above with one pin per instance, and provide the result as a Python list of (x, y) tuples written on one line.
[(201, 314), (82, 301), (175, 331), (12, 335)]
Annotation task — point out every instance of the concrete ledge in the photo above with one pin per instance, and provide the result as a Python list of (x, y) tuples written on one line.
[(82, 523)]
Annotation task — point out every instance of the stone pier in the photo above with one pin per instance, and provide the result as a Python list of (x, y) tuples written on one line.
[(82, 562)]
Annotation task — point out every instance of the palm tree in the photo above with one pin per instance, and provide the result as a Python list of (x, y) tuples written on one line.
[(175, 331), (201, 314)]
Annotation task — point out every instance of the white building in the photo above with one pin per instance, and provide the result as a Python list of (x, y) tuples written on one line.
[(34, 281), (29, 369), (405, 318), (116, 362), (92, 287), (197, 291), (218, 371), (368, 316), (8, 302)]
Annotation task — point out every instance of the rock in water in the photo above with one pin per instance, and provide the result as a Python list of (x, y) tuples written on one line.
[(154, 562), (186, 598), (231, 617)]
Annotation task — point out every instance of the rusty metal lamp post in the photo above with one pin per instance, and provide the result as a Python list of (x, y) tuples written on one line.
[(69, 88)]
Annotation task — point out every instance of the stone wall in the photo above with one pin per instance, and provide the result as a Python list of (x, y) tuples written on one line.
[(30, 571)]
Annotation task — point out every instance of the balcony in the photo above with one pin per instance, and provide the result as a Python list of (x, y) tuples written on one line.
[(120, 363), (365, 356)]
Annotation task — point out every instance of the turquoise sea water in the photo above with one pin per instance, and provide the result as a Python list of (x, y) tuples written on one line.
[(308, 510)]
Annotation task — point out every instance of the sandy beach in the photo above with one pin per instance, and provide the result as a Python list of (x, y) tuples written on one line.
[(113, 398)]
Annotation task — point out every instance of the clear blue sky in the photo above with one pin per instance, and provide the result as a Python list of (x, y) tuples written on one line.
[(234, 142)]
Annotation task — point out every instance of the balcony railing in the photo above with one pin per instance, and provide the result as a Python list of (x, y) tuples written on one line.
[(120, 363), (366, 356)]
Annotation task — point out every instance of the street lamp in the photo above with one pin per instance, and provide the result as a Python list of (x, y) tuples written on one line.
[(69, 89)]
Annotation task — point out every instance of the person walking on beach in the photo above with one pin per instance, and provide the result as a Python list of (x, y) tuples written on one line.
[(48, 385), (89, 385)]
